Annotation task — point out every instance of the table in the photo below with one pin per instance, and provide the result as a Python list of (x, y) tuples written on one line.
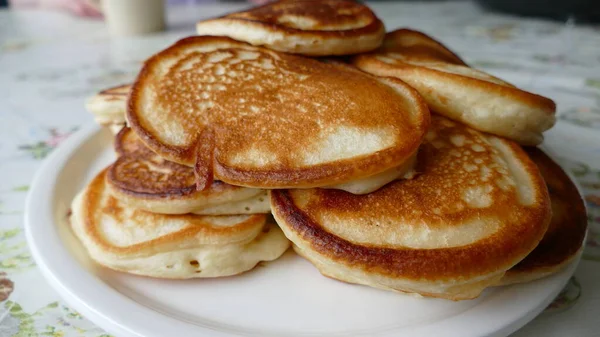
[(50, 62)]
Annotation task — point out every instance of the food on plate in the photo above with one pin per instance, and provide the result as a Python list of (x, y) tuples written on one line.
[(252, 117), (141, 179), (238, 122), (459, 92), (170, 246), (565, 236), (109, 106), (309, 27), (477, 207)]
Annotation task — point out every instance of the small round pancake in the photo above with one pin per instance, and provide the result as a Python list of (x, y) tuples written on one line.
[(309, 27), (142, 179), (564, 238), (170, 246), (109, 106), (455, 90), (249, 116), (476, 208)]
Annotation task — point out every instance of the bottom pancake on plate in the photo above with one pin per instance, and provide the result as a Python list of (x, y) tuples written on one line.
[(170, 246), (477, 207), (142, 179), (564, 239)]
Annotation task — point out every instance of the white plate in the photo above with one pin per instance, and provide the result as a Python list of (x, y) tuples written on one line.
[(287, 297)]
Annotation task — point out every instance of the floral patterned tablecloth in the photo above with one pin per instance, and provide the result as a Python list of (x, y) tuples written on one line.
[(50, 62)]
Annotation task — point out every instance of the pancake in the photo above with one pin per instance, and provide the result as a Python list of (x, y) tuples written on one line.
[(565, 236), (170, 246), (309, 27), (141, 179), (254, 205), (109, 106), (249, 116), (361, 186), (477, 207), (455, 90), (116, 128)]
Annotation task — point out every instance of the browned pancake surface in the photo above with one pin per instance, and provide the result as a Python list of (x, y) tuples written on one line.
[(253, 117), (308, 27), (457, 91), (140, 172), (418, 46), (327, 17), (462, 180), (98, 204)]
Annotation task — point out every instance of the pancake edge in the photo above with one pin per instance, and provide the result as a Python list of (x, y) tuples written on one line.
[(332, 173)]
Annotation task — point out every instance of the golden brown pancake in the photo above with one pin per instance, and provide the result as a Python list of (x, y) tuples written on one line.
[(564, 238), (309, 27), (455, 90), (253, 117), (170, 246), (109, 106), (142, 179), (477, 207)]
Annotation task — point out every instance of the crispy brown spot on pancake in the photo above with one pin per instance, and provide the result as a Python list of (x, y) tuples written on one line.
[(267, 110), (140, 171), (311, 15)]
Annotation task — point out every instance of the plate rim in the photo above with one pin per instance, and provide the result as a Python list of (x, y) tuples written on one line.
[(123, 316)]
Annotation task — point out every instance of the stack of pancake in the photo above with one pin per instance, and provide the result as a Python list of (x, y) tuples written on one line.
[(396, 166)]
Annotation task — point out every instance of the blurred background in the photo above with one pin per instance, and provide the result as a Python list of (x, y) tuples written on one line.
[(576, 10)]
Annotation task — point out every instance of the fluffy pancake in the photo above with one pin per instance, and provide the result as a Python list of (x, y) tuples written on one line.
[(253, 117), (109, 106), (361, 186), (477, 207), (117, 97), (170, 246), (142, 179), (564, 238), (309, 27), (455, 90)]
